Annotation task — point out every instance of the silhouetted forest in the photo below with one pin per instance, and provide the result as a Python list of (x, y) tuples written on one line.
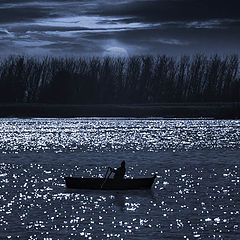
[(138, 79)]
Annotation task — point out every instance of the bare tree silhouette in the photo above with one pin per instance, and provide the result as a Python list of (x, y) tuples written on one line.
[(137, 79)]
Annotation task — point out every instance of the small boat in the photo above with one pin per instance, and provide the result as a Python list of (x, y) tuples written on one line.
[(109, 184)]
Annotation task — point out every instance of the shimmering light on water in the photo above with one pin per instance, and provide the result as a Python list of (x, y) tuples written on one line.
[(116, 134), (195, 196)]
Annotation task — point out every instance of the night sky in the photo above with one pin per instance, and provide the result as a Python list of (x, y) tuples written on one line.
[(123, 27)]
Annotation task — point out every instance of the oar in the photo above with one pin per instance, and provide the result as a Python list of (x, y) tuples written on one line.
[(106, 178)]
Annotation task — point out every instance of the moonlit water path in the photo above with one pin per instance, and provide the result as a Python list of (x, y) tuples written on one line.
[(104, 135), (196, 194)]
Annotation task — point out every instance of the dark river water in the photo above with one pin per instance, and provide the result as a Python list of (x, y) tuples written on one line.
[(195, 195)]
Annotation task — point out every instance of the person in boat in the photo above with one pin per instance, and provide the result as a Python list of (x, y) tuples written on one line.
[(119, 172)]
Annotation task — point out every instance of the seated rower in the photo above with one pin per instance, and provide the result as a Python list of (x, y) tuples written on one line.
[(119, 172)]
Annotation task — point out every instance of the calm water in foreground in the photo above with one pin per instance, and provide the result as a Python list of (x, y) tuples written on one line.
[(195, 196)]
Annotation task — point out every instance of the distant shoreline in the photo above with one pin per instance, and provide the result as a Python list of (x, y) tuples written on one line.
[(164, 110)]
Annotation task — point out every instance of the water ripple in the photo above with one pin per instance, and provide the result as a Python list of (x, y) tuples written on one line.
[(195, 196), (188, 202), (114, 135)]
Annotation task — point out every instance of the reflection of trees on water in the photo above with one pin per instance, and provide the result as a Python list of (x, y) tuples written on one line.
[(145, 79)]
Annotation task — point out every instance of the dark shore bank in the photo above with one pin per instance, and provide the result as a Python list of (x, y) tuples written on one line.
[(168, 110)]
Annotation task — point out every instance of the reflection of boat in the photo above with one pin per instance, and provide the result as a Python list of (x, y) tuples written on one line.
[(109, 184)]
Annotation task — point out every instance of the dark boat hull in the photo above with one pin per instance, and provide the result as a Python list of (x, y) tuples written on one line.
[(110, 184)]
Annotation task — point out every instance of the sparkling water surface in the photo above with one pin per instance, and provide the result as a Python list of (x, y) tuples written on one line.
[(195, 196)]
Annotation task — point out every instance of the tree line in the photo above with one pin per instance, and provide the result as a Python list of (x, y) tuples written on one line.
[(137, 79)]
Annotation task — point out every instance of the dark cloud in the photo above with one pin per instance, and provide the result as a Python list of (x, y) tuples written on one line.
[(21, 14), (173, 10), (139, 26)]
